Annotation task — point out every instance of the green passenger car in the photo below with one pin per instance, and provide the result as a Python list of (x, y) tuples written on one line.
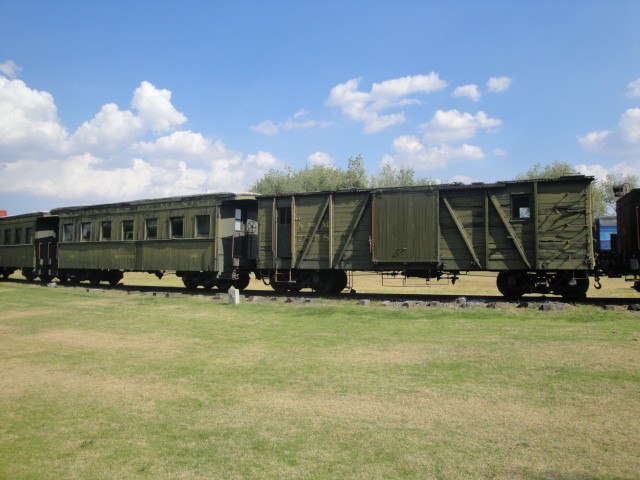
[(17, 234), (205, 239), (535, 233)]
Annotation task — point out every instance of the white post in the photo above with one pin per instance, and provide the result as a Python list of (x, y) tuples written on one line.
[(234, 296)]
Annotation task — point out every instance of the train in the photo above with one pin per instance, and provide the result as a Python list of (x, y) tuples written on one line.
[(538, 236)]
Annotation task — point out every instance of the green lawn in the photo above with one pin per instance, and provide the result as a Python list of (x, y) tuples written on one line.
[(103, 384)]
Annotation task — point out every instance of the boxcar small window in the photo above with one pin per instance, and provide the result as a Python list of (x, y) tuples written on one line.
[(177, 227), (105, 231), (67, 232), (86, 232), (127, 229), (521, 207), (18, 238), (238, 217), (284, 215), (202, 226), (29, 235), (151, 227)]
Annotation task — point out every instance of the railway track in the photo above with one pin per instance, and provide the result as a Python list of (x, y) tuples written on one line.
[(409, 300)]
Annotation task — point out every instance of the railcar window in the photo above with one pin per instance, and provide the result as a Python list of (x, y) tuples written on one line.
[(177, 227), (151, 226), (86, 232), (29, 235), (7, 237), (67, 232), (284, 215), (521, 207), (18, 238), (203, 226), (238, 217), (127, 229), (105, 231)]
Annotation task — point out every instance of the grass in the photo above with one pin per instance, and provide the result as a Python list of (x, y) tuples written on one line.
[(103, 384)]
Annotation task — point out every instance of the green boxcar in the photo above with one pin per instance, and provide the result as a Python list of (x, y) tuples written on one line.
[(535, 233), (206, 239)]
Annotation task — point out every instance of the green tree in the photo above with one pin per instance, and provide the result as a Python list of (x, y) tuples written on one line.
[(388, 176), (313, 179), (612, 180)]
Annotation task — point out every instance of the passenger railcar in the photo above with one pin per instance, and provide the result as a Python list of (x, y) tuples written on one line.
[(206, 239), (536, 234), (28, 243)]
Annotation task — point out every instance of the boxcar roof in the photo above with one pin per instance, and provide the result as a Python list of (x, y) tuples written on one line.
[(443, 186), (220, 196), (24, 216)]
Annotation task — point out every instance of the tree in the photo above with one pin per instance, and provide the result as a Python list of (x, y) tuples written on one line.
[(629, 181), (388, 176), (553, 170), (313, 179)]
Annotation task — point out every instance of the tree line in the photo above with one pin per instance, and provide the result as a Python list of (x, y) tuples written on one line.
[(321, 178)]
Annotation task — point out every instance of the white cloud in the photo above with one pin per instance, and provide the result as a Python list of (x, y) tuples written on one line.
[(411, 152), (106, 159), (365, 107), (498, 84), (633, 89), (321, 159), (453, 125), (28, 121), (623, 140), (9, 69), (595, 170), (470, 91), (268, 127), (155, 108), (499, 152)]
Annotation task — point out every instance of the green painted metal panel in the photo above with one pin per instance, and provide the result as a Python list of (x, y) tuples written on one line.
[(406, 226)]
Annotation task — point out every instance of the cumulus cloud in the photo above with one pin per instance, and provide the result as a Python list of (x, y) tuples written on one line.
[(118, 154), (321, 159), (633, 89), (453, 125), (28, 121), (409, 151), (366, 107), (470, 91), (269, 127), (498, 84), (623, 140), (9, 69)]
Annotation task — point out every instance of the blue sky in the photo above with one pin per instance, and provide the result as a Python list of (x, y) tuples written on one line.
[(104, 101)]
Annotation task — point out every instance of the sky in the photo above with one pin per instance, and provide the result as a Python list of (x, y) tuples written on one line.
[(104, 101)]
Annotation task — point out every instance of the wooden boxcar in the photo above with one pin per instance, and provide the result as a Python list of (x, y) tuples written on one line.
[(628, 238), (205, 239), (535, 233), (28, 243)]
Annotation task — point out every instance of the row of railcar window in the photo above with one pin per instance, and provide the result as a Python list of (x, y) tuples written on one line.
[(15, 236), (153, 228)]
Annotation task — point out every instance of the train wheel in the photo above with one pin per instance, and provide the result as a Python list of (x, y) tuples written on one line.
[(339, 281), (190, 281), (242, 282), (572, 288), (512, 284), (224, 285), (323, 281), (28, 274)]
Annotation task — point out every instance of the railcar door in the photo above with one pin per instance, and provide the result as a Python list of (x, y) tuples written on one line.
[(406, 228), (45, 244)]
